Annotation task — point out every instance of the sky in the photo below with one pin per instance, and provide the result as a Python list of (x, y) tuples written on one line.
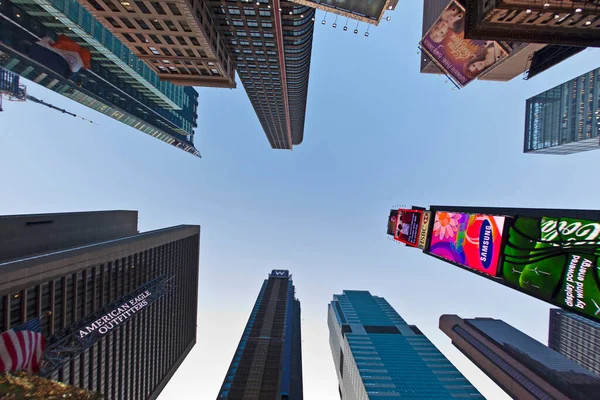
[(377, 134)]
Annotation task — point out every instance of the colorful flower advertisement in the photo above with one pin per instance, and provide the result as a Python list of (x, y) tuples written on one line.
[(555, 259), (462, 59), (408, 226), (471, 240)]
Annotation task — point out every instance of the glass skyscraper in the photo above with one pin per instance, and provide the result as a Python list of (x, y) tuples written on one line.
[(576, 338), (119, 84), (267, 363), (519, 364), (564, 119), (377, 355)]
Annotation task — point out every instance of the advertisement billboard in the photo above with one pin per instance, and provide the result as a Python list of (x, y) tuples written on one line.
[(555, 259), (408, 226), (460, 58), (471, 240), (424, 229), (369, 11), (391, 226)]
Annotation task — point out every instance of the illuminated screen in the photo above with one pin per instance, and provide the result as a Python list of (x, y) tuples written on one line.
[(471, 240), (408, 226), (368, 8), (462, 59), (555, 259)]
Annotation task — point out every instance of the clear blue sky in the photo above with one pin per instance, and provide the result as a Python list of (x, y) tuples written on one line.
[(377, 134)]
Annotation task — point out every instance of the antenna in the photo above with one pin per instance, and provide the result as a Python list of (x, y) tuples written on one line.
[(42, 102)]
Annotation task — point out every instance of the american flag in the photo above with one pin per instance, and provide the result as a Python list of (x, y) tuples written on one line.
[(22, 347)]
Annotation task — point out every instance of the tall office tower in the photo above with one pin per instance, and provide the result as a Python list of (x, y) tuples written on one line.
[(177, 39), (573, 22), (118, 84), (576, 338), (122, 304), (378, 355), (529, 58), (519, 364), (271, 41), (268, 361), (564, 119)]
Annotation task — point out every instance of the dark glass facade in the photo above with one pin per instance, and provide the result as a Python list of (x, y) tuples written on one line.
[(271, 44), (522, 366), (564, 119), (267, 364), (136, 359), (576, 338), (377, 355), (118, 84)]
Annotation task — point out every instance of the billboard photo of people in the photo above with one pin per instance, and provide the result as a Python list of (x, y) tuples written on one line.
[(460, 58), (408, 226), (555, 259), (471, 240)]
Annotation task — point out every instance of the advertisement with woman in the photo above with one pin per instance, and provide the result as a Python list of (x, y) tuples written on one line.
[(462, 59)]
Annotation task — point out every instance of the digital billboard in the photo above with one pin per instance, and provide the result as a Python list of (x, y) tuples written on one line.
[(555, 259), (471, 240), (424, 229), (369, 11), (408, 226), (460, 58)]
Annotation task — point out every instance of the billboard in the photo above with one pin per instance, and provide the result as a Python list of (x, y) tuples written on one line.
[(555, 259), (471, 240), (460, 58), (424, 229), (363, 10), (408, 226), (391, 227)]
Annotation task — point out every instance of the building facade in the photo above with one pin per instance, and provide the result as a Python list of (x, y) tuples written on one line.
[(377, 355), (571, 23), (522, 366), (564, 119), (176, 39), (271, 43), (118, 84), (267, 363), (576, 338), (77, 285)]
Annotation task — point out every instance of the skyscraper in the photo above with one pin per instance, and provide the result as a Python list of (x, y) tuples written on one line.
[(118, 84), (378, 355), (564, 119), (267, 363), (551, 21), (522, 366), (122, 305), (271, 43), (176, 39), (576, 338)]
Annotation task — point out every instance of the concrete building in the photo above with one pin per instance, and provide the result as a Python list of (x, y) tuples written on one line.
[(90, 270), (377, 355), (177, 39), (576, 338), (564, 119), (571, 23), (522, 366), (267, 363), (118, 85)]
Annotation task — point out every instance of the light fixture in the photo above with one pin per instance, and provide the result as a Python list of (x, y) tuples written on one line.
[(390, 7), (335, 22), (578, 10), (280, 9), (323, 22), (269, 6), (546, 5), (345, 28), (301, 15), (312, 19), (18, 15), (334, 25), (258, 3), (556, 16), (367, 34), (356, 31), (388, 18), (290, 13), (588, 22), (528, 11)]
